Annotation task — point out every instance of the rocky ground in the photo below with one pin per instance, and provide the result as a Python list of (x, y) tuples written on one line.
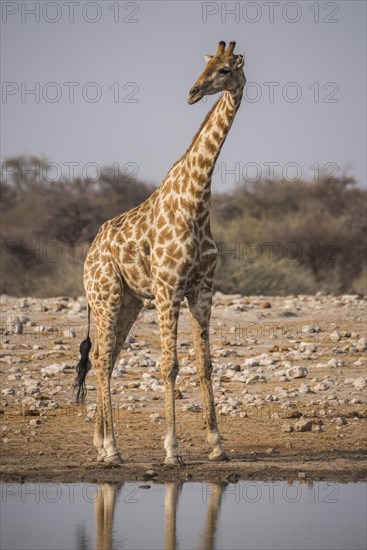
[(289, 379)]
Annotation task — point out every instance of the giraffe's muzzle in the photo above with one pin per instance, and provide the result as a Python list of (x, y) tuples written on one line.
[(194, 95)]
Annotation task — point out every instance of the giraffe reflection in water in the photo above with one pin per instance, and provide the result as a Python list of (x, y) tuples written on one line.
[(108, 496), (104, 509)]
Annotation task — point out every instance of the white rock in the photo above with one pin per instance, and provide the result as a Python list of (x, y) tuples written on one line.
[(8, 391), (308, 347), (234, 402), (69, 333), (303, 425), (335, 362), (10, 359), (193, 407), (323, 386), (335, 336), (281, 391), (362, 344), (55, 368), (360, 383), (75, 308), (188, 370), (256, 378), (310, 329), (296, 372), (13, 377), (316, 428), (252, 362), (157, 387), (269, 398), (32, 386), (53, 405)]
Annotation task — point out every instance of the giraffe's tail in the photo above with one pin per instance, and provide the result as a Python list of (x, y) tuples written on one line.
[(84, 366)]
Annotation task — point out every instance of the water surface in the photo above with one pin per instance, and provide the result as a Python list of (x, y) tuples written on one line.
[(247, 515)]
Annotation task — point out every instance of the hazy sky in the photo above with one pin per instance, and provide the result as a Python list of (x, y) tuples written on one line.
[(110, 81)]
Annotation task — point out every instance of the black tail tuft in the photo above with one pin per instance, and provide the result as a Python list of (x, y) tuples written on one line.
[(82, 369)]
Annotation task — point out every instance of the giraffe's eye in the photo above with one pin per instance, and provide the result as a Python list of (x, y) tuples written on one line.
[(224, 71)]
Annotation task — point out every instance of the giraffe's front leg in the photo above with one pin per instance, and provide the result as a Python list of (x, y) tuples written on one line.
[(168, 311), (200, 309)]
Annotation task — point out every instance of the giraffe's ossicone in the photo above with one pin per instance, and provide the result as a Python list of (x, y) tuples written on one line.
[(163, 249)]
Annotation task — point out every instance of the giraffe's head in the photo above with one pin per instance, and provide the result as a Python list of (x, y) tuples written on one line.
[(224, 71)]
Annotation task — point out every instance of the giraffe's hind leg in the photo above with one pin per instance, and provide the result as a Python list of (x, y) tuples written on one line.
[(111, 335)]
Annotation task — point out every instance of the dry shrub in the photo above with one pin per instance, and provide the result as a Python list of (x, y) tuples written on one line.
[(273, 237)]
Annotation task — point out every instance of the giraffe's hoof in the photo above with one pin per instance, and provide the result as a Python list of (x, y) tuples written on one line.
[(219, 457), (174, 460), (101, 455), (114, 459)]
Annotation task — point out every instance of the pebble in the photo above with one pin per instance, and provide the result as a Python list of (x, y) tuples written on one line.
[(310, 329), (55, 368), (316, 428), (69, 333), (281, 391), (362, 344), (8, 391), (308, 347), (155, 417), (323, 386), (360, 383), (303, 425), (335, 336), (193, 407), (256, 378), (335, 362), (149, 474), (304, 389), (76, 308), (32, 386), (339, 421), (287, 428), (35, 423), (296, 372)]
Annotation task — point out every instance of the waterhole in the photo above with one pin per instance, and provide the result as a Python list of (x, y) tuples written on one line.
[(176, 515)]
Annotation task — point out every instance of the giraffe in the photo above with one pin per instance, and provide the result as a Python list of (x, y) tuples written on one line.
[(163, 249)]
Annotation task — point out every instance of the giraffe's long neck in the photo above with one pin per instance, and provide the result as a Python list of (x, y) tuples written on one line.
[(207, 144)]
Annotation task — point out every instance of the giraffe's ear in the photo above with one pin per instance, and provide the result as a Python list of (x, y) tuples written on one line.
[(240, 60), (208, 57)]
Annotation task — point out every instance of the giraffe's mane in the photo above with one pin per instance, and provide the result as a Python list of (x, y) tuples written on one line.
[(209, 114), (203, 124)]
